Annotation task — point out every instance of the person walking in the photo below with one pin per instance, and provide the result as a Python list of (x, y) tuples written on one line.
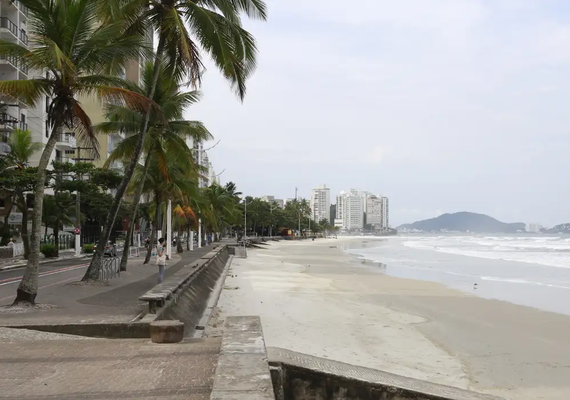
[(161, 259)]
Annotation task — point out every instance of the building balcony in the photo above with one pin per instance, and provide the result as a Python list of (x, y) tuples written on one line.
[(66, 140), (23, 36), (8, 122), (23, 9), (8, 29)]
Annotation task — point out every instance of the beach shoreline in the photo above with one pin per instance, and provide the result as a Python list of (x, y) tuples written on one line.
[(316, 299)]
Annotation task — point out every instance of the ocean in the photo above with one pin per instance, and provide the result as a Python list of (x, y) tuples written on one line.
[(531, 271)]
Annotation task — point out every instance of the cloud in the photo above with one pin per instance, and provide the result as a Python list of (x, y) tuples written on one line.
[(444, 104)]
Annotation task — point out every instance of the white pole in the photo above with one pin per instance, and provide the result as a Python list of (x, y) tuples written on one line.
[(200, 233), (138, 239), (169, 229), (191, 240), (77, 245)]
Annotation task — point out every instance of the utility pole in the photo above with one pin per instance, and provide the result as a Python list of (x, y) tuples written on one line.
[(298, 210), (78, 204)]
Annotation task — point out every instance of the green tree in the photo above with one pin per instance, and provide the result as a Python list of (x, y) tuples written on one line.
[(22, 148), (81, 56), (167, 132), (184, 27)]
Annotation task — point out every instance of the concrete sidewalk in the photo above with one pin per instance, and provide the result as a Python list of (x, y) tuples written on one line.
[(69, 302), (108, 369)]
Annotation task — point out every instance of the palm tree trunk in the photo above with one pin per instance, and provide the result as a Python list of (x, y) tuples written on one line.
[(92, 272), (25, 236), (179, 247), (56, 236), (6, 226), (150, 245), (188, 239), (28, 288), (136, 202)]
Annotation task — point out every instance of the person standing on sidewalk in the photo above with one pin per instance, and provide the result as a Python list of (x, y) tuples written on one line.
[(160, 259)]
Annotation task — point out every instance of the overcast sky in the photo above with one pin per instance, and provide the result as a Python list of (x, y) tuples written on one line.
[(440, 105)]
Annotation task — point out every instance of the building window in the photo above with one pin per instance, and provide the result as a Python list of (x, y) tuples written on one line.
[(30, 201), (2, 203)]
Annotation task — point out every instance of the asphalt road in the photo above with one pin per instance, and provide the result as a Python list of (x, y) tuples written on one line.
[(50, 274)]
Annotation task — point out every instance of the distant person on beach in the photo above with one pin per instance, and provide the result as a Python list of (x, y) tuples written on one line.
[(161, 259)]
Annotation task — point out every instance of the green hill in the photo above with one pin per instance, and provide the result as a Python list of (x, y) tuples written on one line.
[(464, 222)]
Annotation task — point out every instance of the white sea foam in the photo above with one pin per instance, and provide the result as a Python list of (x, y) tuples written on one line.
[(551, 251)]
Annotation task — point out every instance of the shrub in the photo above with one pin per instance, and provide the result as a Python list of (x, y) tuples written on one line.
[(88, 248), (48, 250)]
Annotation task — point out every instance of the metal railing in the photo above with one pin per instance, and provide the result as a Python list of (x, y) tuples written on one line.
[(7, 23), (11, 59), (22, 8), (110, 268), (23, 37), (7, 119)]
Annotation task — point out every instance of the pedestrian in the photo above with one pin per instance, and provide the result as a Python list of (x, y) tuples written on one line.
[(161, 259)]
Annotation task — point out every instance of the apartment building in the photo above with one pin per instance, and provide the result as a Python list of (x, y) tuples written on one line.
[(320, 203), (13, 28)]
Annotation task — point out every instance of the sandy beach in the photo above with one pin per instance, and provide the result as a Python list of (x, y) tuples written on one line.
[(314, 298)]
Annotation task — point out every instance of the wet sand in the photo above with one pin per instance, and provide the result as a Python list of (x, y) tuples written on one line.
[(315, 299)]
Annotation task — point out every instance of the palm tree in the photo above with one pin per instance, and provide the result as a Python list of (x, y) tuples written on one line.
[(22, 148), (222, 208), (215, 26), (76, 56), (173, 180), (167, 133)]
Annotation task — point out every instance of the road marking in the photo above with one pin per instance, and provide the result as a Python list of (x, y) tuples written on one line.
[(55, 271)]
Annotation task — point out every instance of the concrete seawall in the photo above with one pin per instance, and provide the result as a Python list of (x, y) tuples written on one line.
[(298, 376), (190, 302)]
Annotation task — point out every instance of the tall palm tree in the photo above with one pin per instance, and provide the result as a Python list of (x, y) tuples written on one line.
[(162, 184), (167, 133), (222, 207), (75, 55), (183, 27)]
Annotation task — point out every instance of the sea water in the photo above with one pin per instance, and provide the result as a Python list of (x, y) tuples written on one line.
[(527, 270)]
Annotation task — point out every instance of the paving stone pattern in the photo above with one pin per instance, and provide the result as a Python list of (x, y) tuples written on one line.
[(108, 369), (126, 297)]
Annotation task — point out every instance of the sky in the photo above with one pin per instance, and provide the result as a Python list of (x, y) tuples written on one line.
[(440, 105)]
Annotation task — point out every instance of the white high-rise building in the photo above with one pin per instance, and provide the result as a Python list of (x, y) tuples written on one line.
[(320, 203), (385, 213), (350, 210), (15, 114)]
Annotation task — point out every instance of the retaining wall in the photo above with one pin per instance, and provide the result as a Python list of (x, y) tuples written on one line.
[(298, 376), (190, 301)]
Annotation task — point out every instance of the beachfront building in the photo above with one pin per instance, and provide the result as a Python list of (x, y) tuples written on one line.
[(320, 203), (377, 212), (385, 214), (533, 227), (350, 210)]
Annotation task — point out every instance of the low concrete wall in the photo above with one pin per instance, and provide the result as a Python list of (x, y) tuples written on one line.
[(242, 372), (190, 301), (135, 330), (298, 376)]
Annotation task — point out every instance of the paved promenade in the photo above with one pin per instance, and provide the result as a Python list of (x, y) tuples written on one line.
[(107, 369), (68, 301)]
